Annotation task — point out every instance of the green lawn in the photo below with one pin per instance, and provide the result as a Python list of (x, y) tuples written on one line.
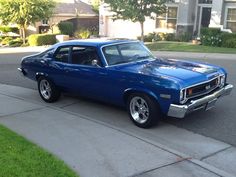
[(20, 158), (187, 47)]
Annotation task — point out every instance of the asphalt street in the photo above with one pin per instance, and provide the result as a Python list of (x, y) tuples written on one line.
[(218, 123)]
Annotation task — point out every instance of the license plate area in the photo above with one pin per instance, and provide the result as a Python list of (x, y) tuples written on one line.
[(211, 104)]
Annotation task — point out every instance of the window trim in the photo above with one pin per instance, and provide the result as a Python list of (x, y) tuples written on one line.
[(56, 51), (226, 15)]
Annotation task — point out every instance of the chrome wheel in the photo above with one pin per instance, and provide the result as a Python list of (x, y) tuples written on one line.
[(45, 89), (139, 109)]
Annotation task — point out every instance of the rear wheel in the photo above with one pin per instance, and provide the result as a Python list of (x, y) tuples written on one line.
[(47, 90), (143, 110)]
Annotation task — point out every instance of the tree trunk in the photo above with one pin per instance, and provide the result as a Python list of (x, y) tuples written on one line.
[(142, 31), (23, 34)]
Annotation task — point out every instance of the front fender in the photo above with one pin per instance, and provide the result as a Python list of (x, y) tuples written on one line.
[(39, 74), (129, 91), (164, 97)]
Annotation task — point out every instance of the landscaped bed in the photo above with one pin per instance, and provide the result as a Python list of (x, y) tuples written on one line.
[(19, 157), (187, 47)]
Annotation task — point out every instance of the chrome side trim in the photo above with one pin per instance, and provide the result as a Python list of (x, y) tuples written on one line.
[(179, 111)]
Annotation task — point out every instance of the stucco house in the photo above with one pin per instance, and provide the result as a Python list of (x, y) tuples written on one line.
[(79, 12), (182, 16)]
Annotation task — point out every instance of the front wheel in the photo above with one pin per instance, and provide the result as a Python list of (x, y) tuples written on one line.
[(47, 90), (143, 110)]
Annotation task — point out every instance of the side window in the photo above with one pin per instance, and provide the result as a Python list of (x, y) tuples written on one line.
[(62, 54), (83, 55), (111, 54)]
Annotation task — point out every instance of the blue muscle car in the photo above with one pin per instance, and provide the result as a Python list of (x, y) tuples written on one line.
[(125, 73)]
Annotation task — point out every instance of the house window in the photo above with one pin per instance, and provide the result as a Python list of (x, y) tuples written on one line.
[(168, 20), (170, 1), (231, 19), (45, 22), (204, 1)]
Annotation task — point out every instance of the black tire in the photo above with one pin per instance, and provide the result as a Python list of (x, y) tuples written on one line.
[(50, 95), (143, 115)]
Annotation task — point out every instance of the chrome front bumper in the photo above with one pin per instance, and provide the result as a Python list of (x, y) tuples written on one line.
[(21, 71), (207, 102)]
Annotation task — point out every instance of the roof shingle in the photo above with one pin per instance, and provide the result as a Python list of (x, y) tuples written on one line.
[(77, 8)]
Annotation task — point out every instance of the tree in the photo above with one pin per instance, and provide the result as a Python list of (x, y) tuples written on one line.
[(136, 10), (25, 12), (95, 5)]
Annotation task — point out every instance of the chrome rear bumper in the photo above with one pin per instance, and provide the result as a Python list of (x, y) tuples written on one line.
[(207, 102)]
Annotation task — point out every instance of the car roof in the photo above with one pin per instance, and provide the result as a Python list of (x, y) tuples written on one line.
[(94, 42)]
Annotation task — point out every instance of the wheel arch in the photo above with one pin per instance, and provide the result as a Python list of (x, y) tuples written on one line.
[(40, 74), (130, 91)]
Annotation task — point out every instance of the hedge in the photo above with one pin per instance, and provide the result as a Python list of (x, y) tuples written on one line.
[(66, 28), (229, 40), (215, 37), (211, 37), (42, 39), (7, 29)]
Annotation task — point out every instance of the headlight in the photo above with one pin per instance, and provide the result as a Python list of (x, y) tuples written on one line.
[(182, 96), (222, 81)]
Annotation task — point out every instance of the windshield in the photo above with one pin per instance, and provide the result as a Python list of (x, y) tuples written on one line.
[(125, 53)]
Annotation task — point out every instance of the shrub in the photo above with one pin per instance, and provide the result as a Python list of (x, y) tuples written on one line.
[(6, 40), (153, 37), (42, 39), (211, 37), (228, 40), (230, 43), (167, 36), (146, 38), (185, 37), (16, 42), (1, 38), (66, 28), (83, 34), (170, 37), (7, 29)]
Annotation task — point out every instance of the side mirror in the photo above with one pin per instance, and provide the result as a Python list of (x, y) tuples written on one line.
[(95, 63)]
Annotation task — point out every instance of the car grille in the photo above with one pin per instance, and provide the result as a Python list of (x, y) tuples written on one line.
[(202, 89)]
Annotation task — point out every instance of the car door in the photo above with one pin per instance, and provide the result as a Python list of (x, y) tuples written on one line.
[(88, 78), (59, 67)]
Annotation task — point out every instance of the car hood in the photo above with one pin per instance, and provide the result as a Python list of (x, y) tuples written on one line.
[(188, 72)]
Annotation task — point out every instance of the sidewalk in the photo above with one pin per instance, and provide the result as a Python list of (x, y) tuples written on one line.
[(5, 50), (99, 140)]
